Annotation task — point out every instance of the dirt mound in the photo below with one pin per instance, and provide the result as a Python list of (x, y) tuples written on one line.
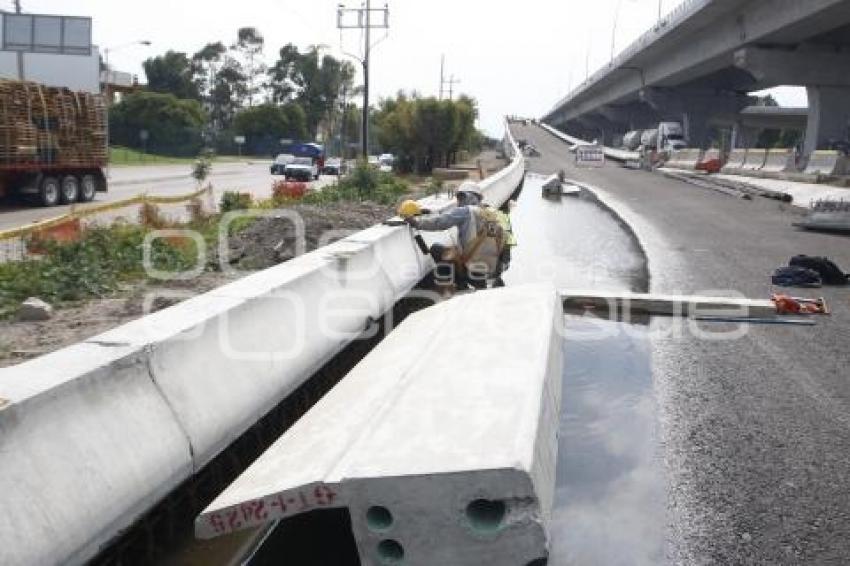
[(270, 241)]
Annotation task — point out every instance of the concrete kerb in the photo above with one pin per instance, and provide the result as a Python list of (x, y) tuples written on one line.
[(472, 481), (206, 369)]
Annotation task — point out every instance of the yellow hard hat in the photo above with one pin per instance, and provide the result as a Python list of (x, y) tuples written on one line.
[(409, 208)]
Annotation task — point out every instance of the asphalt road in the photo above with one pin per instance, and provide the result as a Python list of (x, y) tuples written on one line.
[(161, 180), (755, 429)]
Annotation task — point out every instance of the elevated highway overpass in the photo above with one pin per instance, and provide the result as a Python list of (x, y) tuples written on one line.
[(698, 65)]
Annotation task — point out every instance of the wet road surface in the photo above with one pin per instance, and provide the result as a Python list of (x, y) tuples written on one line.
[(754, 421), (610, 496)]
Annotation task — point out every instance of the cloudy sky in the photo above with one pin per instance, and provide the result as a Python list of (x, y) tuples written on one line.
[(513, 57)]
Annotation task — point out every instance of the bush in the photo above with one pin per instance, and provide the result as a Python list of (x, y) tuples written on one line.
[(232, 200), (93, 266), (363, 184), (287, 190)]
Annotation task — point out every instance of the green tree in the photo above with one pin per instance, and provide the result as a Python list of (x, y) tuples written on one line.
[(315, 82), (228, 92), (249, 44), (174, 126), (265, 125), (425, 132), (171, 73)]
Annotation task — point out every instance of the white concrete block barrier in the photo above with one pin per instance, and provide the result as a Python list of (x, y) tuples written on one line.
[(755, 160), (442, 442), (99, 432), (778, 161), (735, 163), (827, 164)]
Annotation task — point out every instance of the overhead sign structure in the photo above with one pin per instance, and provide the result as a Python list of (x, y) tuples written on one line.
[(590, 156)]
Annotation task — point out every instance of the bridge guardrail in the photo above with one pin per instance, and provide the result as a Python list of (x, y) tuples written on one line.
[(103, 429)]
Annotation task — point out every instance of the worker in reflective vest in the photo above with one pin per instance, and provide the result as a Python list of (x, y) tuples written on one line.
[(485, 240)]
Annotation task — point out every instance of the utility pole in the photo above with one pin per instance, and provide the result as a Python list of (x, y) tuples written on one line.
[(443, 82), (18, 6), (364, 22), (442, 74), (452, 82)]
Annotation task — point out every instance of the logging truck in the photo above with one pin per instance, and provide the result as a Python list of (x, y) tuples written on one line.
[(52, 143)]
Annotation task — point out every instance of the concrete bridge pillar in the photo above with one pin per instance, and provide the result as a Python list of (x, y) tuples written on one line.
[(829, 116)]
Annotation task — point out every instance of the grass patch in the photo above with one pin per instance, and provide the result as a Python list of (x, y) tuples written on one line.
[(124, 156)]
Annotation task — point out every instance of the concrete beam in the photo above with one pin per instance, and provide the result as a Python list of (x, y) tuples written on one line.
[(774, 67), (703, 44), (441, 443)]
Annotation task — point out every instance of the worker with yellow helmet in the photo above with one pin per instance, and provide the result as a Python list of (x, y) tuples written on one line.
[(484, 233)]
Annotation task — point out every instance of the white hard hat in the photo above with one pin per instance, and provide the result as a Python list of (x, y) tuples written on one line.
[(470, 187)]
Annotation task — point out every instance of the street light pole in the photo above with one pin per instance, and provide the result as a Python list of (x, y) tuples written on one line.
[(106, 52), (367, 49)]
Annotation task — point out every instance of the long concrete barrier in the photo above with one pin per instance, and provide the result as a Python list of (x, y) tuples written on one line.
[(755, 160), (686, 159), (442, 442), (735, 163), (97, 433), (612, 153)]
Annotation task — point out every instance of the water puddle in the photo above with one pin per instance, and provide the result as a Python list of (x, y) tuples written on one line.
[(610, 495)]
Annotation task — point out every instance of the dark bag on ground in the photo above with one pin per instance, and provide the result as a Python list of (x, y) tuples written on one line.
[(796, 277), (830, 273)]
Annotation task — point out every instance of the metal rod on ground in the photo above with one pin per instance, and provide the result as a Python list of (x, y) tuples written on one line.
[(746, 320)]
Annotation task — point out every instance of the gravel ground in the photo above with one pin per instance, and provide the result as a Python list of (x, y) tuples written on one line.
[(756, 430)]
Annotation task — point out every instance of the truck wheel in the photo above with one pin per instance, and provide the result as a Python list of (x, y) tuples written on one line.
[(88, 188), (49, 192), (70, 189)]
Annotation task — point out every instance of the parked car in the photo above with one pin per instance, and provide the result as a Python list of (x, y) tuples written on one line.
[(280, 163), (374, 161), (335, 166), (302, 169)]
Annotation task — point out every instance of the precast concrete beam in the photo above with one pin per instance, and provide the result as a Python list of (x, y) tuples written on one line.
[(441, 443), (774, 67)]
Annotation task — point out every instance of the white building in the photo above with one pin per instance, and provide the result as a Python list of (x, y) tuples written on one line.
[(51, 50)]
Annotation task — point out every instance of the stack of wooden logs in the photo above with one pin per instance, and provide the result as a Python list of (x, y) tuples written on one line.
[(56, 126)]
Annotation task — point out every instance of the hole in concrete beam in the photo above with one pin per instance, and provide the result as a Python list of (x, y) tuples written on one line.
[(390, 552), (379, 519), (485, 516)]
